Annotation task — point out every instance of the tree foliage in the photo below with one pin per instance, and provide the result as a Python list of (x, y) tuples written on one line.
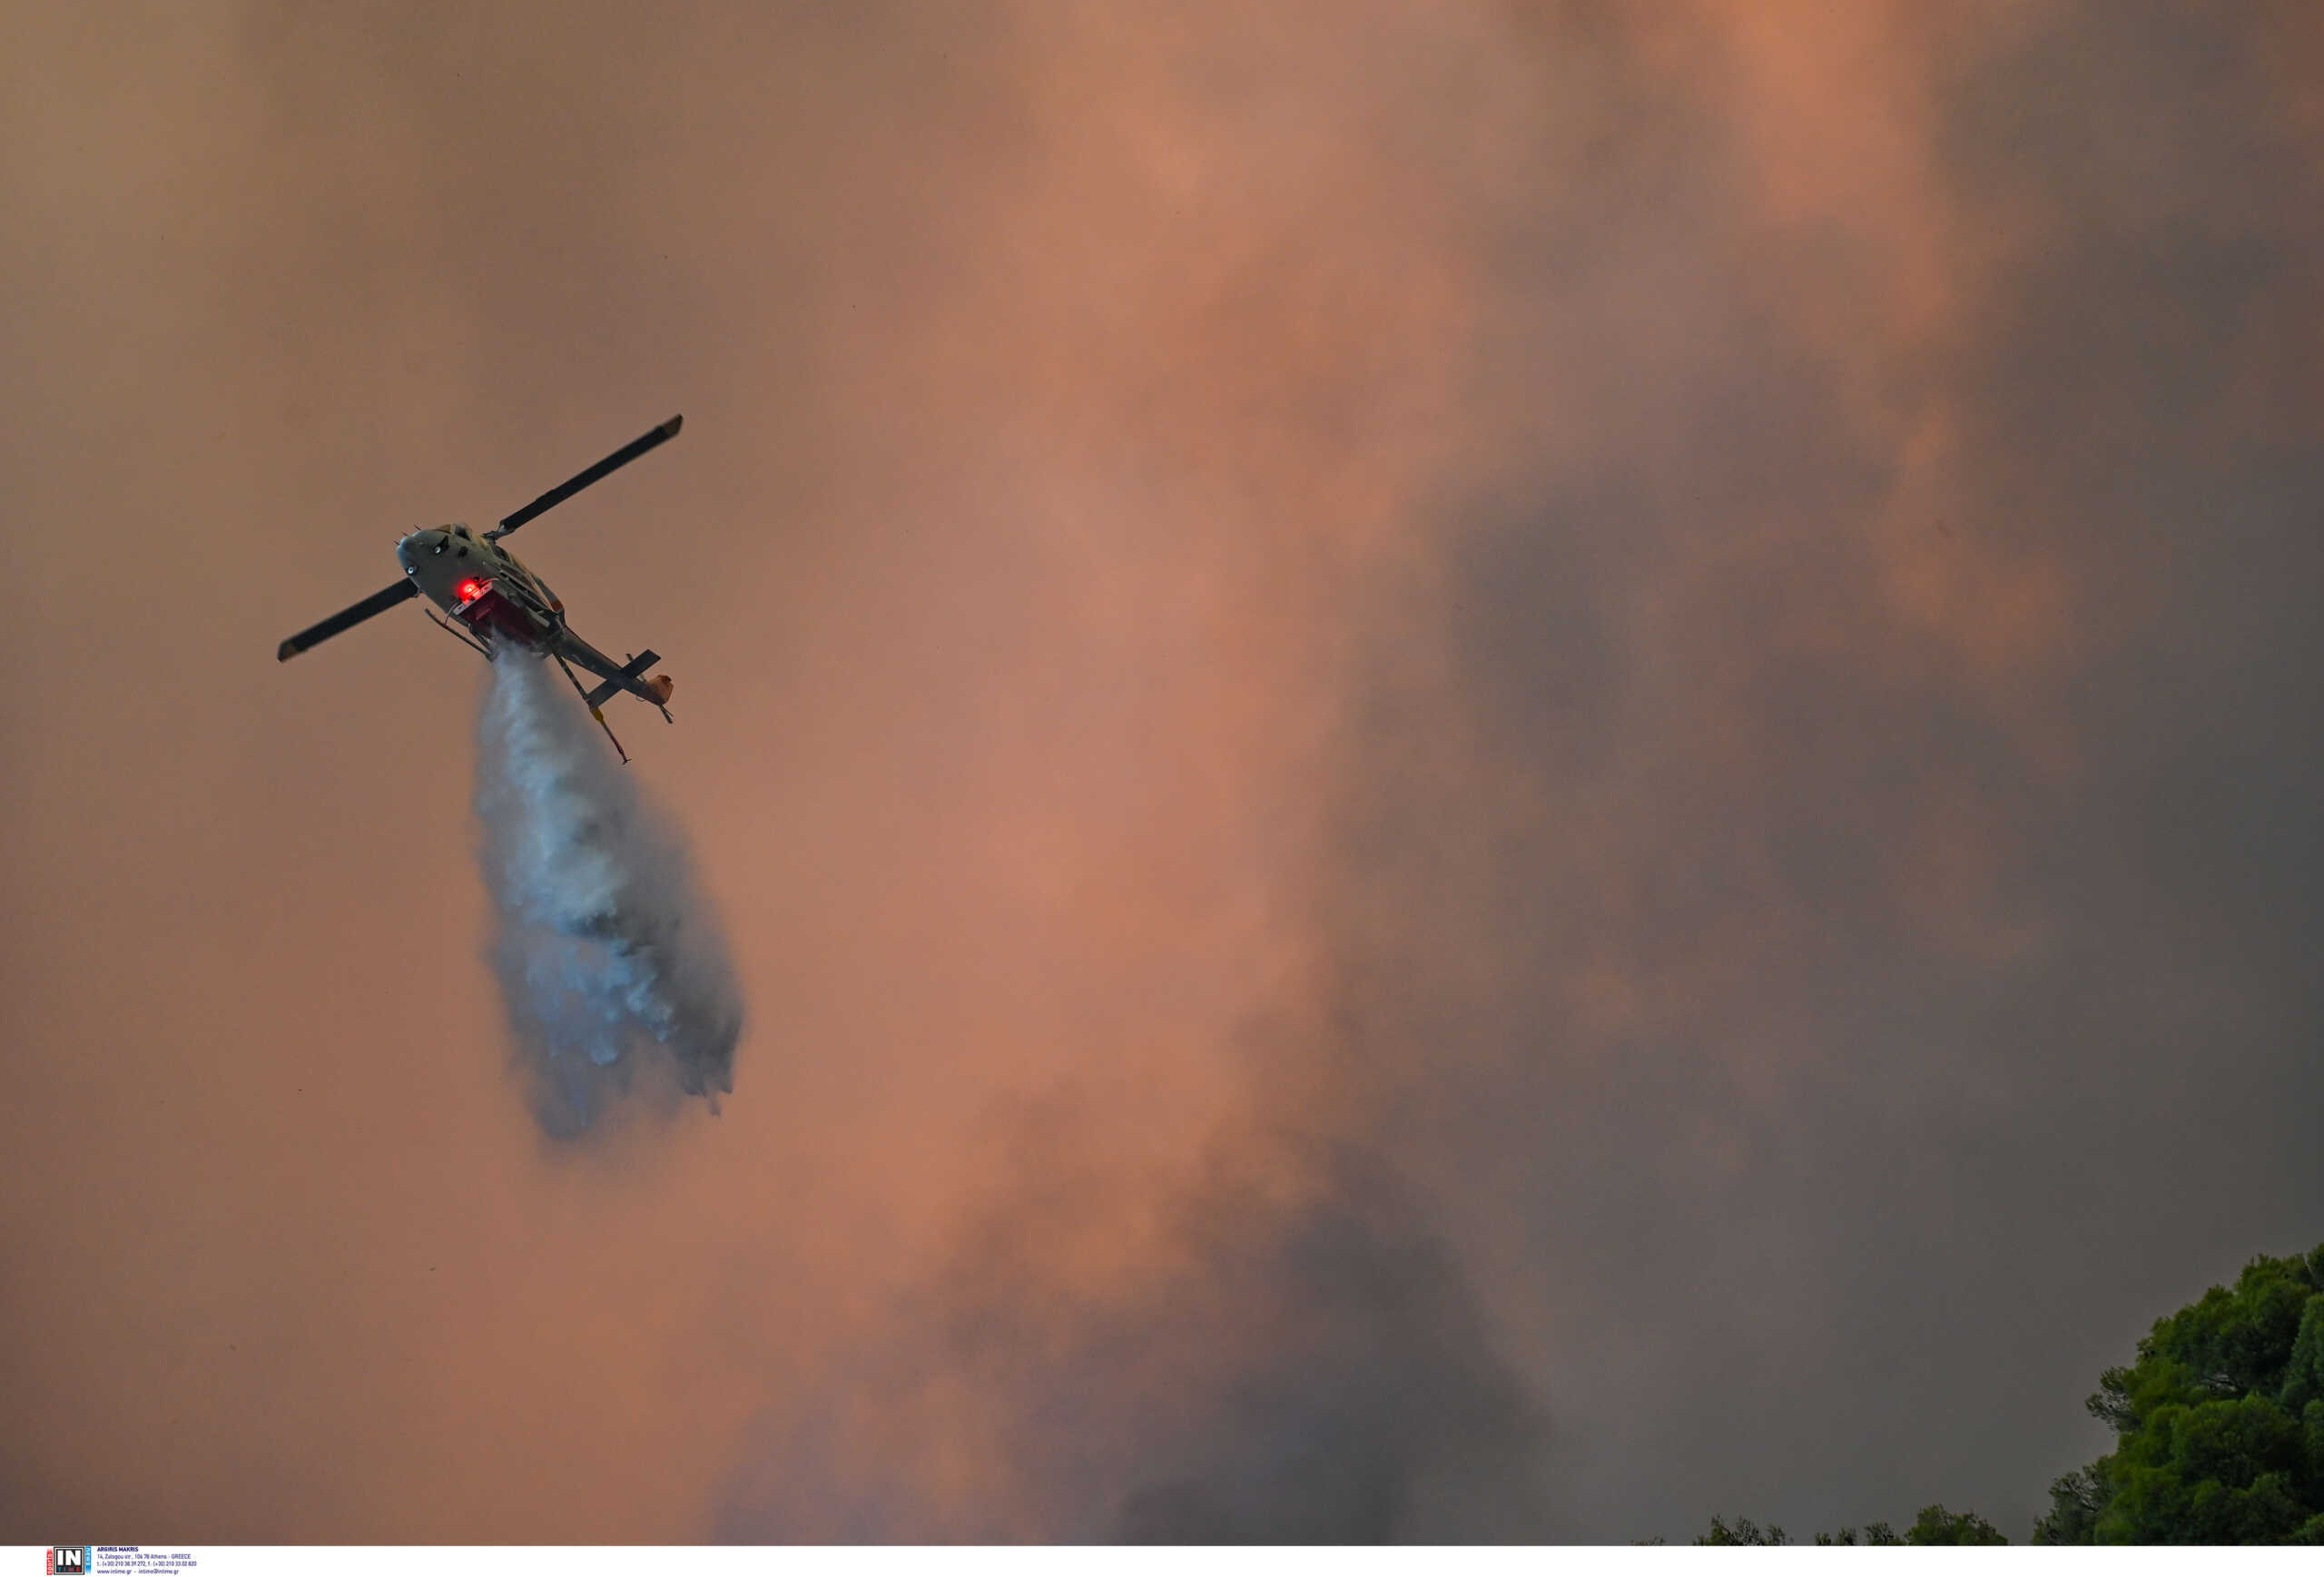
[(1742, 1531), (2219, 1424), (1936, 1525), (1874, 1533)]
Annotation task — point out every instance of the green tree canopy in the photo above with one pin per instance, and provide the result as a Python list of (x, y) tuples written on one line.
[(1936, 1525), (2219, 1425), (1742, 1531)]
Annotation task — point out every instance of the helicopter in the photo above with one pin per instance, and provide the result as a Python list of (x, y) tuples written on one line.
[(495, 603)]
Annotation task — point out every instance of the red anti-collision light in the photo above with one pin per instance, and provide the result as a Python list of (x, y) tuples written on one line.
[(470, 590)]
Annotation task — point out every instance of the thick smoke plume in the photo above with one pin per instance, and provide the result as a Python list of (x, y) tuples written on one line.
[(1297, 1356), (1689, 628), (610, 962)]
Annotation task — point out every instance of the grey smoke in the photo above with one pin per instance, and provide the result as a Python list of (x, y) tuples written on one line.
[(1358, 1399), (1312, 1371), (612, 965)]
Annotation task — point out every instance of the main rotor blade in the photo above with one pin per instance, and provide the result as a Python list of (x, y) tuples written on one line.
[(378, 602), (597, 473)]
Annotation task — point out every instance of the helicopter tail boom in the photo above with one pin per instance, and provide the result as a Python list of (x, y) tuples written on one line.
[(631, 672), (618, 676)]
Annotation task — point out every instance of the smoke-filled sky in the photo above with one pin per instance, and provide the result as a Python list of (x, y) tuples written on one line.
[(1478, 771)]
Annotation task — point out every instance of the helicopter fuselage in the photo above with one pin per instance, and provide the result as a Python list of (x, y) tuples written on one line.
[(482, 584)]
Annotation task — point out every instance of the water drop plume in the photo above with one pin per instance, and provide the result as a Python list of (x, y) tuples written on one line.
[(611, 962)]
